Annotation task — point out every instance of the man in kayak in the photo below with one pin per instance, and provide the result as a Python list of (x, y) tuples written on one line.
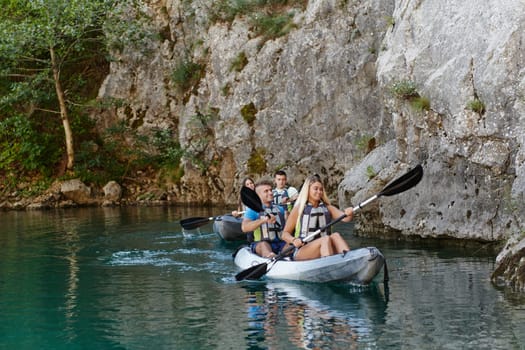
[(266, 226), (311, 212)]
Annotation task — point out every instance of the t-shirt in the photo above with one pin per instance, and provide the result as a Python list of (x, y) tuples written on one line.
[(253, 215), (292, 191)]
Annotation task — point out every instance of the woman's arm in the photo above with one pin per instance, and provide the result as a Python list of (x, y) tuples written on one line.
[(336, 212)]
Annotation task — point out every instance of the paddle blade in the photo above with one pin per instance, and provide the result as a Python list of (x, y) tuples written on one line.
[(252, 273), (403, 183), (193, 223), (251, 199)]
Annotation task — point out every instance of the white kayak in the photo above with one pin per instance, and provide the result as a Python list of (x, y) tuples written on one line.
[(359, 266)]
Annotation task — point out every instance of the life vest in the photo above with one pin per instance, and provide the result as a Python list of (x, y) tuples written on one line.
[(278, 196), (268, 231), (313, 219)]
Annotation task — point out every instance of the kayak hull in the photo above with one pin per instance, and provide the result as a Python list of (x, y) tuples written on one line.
[(228, 228), (359, 266)]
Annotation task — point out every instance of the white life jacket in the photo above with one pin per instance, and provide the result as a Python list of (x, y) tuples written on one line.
[(313, 219), (278, 195)]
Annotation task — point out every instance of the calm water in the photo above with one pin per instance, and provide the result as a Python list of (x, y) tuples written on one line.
[(131, 279)]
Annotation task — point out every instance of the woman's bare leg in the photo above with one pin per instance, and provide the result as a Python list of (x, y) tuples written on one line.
[(309, 251), (339, 244), (314, 249), (326, 246)]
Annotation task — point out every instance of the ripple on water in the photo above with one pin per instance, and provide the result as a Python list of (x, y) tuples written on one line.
[(141, 257), (184, 259)]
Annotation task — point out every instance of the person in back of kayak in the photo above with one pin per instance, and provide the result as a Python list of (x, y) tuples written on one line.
[(311, 212), (266, 226), (283, 194), (246, 182)]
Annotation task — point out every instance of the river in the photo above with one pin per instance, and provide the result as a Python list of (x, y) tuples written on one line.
[(130, 278)]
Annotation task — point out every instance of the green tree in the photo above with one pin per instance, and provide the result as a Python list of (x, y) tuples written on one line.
[(39, 39)]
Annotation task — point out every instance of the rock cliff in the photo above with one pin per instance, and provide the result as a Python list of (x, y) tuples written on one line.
[(357, 91)]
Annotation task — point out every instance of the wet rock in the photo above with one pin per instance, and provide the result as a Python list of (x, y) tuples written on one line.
[(510, 267), (67, 204), (6, 205), (38, 206)]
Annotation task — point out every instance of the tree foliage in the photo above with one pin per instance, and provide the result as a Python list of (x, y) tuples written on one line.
[(44, 44), (54, 56)]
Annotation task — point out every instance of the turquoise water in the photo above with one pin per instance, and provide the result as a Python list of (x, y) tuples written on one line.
[(111, 278)]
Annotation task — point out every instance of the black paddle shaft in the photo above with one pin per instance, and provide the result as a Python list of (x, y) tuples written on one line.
[(401, 184), (193, 223)]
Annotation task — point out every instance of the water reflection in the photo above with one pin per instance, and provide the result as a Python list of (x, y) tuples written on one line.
[(312, 316), (72, 240)]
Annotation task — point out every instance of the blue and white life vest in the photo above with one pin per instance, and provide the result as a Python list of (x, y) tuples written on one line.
[(313, 219), (278, 196), (268, 231)]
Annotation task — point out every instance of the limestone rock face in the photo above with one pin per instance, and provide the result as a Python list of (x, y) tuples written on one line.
[(454, 53), (321, 99)]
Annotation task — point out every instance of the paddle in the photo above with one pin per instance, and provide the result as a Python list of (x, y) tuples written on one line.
[(251, 199), (405, 182), (193, 223)]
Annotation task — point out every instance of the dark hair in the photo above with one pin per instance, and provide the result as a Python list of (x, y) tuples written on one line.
[(246, 179), (240, 204), (280, 172)]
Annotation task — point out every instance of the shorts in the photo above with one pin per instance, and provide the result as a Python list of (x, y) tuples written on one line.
[(277, 246)]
